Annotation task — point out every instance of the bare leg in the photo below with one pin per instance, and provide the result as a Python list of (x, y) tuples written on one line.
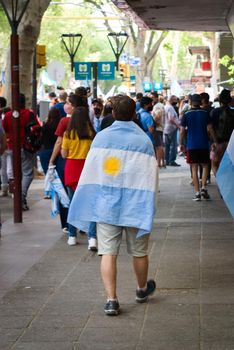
[(204, 174), (163, 157), (214, 167), (109, 275), (140, 265), (159, 152), (195, 177)]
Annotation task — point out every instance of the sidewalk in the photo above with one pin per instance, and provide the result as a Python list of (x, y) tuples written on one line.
[(51, 295)]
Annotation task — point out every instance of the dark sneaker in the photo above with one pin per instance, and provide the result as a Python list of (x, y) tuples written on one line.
[(197, 197), (174, 164), (47, 196), (112, 308), (205, 194), (25, 205), (142, 295)]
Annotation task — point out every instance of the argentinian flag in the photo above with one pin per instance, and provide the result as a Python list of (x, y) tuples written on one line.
[(117, 184), (225, 175)]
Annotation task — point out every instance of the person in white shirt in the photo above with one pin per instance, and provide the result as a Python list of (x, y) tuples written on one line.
[(159, 118), (172, 125)]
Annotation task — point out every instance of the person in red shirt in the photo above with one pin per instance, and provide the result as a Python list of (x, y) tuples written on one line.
[(73, 102), (6, 157), (27, 159), (2, 140)]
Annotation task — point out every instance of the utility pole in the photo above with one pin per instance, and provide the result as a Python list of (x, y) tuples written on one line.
[(14, 11)]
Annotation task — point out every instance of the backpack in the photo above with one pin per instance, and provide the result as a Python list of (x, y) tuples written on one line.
[(33, 135), (226, 124), (139, 122)]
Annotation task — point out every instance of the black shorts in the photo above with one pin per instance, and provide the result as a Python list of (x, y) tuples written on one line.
[(158, 138), (196, 156)]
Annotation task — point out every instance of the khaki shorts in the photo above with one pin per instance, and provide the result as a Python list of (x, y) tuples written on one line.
[(110, 237)]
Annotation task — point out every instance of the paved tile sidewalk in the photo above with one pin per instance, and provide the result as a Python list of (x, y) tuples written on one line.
[(56, 302)]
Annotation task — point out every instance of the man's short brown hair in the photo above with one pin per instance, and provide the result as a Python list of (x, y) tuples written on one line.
[(63, 96), (124, 108)]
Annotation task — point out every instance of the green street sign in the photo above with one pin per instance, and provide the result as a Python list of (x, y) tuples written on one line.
[(106, 70), (83, 70)]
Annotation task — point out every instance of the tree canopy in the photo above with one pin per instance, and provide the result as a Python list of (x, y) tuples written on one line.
[(45, 22)]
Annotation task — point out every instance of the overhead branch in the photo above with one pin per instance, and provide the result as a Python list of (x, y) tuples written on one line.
[(152, 34), (155, 47), (133, 35), (99, 7)]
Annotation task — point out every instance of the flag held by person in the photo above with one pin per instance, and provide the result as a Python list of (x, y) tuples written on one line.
[(54, 185)]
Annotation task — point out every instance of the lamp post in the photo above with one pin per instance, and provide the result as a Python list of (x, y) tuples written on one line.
[(117, 42), (162, 74), (14, 10), (71, 43)]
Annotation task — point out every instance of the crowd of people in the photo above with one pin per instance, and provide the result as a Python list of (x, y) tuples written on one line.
[(174, 126), (192, 127), (105, 155)]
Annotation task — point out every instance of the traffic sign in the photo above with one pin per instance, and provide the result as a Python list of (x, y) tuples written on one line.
[(124, 58), (83, 70), (56, 71), (147, 86), (158, 86), (106, 70), (134, 61)]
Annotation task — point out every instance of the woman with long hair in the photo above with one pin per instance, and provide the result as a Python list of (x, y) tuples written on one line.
[(73, 102), (48, 140), (76, 143)]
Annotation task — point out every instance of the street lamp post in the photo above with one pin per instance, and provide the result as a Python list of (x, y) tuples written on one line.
[(117, 42), (71, 43), (162, 74), (14, 10)]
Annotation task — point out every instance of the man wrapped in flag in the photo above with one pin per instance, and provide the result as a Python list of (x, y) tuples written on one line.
[(117, 191), (225, 175)]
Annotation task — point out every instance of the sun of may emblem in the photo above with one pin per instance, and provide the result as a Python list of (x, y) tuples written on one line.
[(112, 166)]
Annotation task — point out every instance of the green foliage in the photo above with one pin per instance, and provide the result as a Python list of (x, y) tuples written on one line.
[(55, 10), (185, 61), (93, 47), (168, 46), (228, 62), (225, 60), (4, 38), (4, 24)]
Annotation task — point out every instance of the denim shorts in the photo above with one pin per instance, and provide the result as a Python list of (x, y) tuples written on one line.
[(110, 237)]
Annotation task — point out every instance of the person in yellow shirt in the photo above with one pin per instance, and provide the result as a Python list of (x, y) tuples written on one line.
[(76, 143)]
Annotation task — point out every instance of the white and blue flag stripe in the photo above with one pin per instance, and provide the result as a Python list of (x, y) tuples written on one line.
[(128, 163), (117, 185), (225, 175)]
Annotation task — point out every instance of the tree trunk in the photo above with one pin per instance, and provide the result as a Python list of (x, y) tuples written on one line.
[(138, 44), (139, 52), (146, 56), (29, 30), (212, 40), (174, 61)]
